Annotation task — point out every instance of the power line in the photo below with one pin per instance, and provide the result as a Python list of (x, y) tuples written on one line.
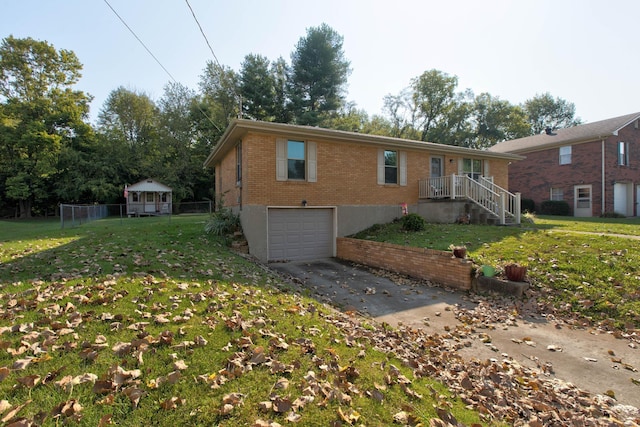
[(158, 61), (220, 69), (203, 34), (141, 42)]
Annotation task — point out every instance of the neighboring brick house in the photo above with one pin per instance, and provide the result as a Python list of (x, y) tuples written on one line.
[(595, 167), (297, 188)]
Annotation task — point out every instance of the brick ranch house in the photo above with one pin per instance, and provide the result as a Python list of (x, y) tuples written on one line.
[(298, 188), (595, 167)]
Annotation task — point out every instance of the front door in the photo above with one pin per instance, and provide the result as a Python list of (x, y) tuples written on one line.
[(582, 201), (150, 202), (437, 167)]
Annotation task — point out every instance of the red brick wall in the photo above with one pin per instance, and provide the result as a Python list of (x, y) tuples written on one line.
[(541, 170), (437, 266)]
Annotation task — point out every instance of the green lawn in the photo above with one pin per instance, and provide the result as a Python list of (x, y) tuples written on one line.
[(596, 276), (146, 321)]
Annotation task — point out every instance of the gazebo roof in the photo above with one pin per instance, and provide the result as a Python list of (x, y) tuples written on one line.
[(149, 185)]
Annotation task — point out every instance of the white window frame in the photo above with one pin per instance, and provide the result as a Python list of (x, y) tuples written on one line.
[(556, 193), (401, 165), (623, 153), (565, 155)]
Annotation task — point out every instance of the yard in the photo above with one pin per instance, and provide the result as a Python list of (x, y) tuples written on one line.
[(149, 321), (580, 267)]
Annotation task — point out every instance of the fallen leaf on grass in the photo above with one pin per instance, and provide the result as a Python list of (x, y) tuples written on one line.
[(349, 416), (4, 372), (67, 409), (14, 411), (172, 403), (134, 395)]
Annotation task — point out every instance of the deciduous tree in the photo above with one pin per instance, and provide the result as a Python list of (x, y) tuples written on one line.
[(40, 114)]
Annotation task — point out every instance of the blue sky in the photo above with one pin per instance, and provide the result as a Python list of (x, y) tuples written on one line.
[(583, 51)]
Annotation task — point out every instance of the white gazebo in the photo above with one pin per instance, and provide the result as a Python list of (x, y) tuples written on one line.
[(148, 197)]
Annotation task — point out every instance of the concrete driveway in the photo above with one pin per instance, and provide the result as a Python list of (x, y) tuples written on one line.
[(591, 359)]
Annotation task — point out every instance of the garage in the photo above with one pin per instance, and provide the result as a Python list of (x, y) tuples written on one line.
[(300, 234)]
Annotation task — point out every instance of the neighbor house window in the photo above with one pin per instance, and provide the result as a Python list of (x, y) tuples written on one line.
[(134, 197), (390, 167), (565, 155), (623, 154), (472, 168), (150, 197), (239, 163), (557, 194), (295, 160)]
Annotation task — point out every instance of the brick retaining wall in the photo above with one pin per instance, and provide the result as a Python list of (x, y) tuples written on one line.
[(437, 266)]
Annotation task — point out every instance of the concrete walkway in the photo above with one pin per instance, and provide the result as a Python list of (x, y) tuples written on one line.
[(593, 360)]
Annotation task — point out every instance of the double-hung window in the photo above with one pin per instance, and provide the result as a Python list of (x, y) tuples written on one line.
[(296, 160), (390, 167), (623, 153), (565, 155), (472, 168), (557, 194)]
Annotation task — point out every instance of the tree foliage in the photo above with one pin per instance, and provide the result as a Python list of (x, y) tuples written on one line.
[(319, 74), (50, 154), (40, 115), (545, 111)]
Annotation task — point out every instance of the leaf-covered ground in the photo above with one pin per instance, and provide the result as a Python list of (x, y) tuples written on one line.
[(153, 323), (150, 322)]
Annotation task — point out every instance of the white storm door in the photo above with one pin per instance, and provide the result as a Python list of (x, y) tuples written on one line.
[(582, 201)]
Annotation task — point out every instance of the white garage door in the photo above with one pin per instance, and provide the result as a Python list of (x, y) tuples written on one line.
[(299, 234)]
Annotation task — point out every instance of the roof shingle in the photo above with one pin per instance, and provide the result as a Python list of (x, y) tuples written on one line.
[(581, 133)]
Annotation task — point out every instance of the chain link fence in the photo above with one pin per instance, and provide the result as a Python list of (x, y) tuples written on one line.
[(76, 215)]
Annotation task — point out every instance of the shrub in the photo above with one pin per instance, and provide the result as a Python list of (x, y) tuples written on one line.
[(612, 215), (413, 222), (222, 223), (555, 207), (527, 205)]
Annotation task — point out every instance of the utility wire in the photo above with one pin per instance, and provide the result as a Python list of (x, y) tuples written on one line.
[(158, 61), (141, 42), (214, 56), (203, 34)]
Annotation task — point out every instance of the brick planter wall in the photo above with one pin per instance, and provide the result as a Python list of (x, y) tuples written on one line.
[(437, 266)]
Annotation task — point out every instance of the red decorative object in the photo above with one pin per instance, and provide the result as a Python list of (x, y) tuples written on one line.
[(515, 272), (459, 252)]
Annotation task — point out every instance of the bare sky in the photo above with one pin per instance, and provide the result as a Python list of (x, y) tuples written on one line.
[(583, 51)]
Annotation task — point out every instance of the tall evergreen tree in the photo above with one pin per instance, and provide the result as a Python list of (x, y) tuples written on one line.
[(319, 75), (257, 88)]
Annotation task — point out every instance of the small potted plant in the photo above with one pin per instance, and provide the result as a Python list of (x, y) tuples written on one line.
[(515, 272), (458, 251)]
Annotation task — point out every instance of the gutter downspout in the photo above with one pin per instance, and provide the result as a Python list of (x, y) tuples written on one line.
[(602, 203)]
